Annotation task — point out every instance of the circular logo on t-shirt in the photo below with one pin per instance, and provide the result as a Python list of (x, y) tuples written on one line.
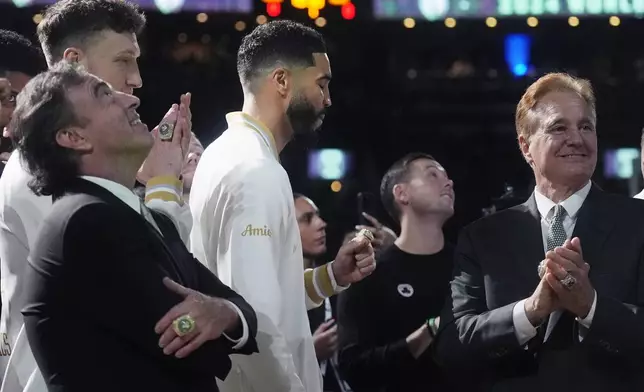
[(405, 290)]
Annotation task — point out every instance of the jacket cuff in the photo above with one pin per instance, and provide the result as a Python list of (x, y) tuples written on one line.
[(166, 188), (318, 284)]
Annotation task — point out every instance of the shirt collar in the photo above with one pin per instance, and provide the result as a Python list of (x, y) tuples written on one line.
[(572, 204), (639, 195), (124, 194), (257, 126)]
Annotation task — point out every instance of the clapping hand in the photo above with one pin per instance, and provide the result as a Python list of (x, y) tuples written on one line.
[(541, 303), (565, 264)]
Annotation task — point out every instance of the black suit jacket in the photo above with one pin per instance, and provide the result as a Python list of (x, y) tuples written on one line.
[(317, 315), (496, 266), (95, 293)]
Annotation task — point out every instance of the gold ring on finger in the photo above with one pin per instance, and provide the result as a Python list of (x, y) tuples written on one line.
[(183, 325), (568, 281), (166, 131), (367, 234)]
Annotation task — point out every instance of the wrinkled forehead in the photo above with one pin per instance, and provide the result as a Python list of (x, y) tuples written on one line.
[(562, 106), (86, 93)]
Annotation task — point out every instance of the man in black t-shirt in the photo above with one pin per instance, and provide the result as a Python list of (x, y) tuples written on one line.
[(387, 322)]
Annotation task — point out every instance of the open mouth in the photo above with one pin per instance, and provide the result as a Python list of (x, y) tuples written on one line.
[(573, 156), (135, 119)]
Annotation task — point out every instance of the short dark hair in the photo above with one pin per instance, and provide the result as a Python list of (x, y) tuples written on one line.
[(282, 42), (43, 109), (396, 174), (76, 22), (18, 54)]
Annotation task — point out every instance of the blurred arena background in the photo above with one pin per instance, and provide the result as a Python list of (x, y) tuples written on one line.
[(438, 76)]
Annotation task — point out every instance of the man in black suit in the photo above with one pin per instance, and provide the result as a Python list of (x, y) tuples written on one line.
[(115, 302), (548, 295)]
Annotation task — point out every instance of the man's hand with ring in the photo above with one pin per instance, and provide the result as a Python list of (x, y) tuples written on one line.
[(196, 320), (355, 261), (568, 277), (384, 236), (167, 156)]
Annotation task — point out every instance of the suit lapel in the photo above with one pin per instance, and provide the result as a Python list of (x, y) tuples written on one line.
[(168, 235), (529, 240), (167, 264), (594, 223)]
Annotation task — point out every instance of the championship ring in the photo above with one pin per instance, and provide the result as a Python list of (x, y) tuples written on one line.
[(568, 281), (166, 131), (366, 234), (183, 325), (541, 270)]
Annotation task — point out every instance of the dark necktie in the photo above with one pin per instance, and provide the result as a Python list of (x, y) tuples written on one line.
[(556, 233), (561, 336)]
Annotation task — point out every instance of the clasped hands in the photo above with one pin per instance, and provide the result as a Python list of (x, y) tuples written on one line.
[(166, 158), (552, 295)]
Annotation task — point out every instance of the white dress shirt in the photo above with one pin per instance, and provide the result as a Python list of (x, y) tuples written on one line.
[(523, 329), (640, 195), (245, 230)]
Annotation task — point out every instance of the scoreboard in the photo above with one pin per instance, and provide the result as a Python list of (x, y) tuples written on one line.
[(440, 9)]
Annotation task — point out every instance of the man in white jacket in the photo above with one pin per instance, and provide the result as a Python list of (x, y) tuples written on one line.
[(99, 35), (245, 227)]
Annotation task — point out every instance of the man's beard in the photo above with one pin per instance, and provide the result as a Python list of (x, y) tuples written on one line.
[(302, 115)]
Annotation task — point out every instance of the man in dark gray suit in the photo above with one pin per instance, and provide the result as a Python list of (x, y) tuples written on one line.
[(549, 294)]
